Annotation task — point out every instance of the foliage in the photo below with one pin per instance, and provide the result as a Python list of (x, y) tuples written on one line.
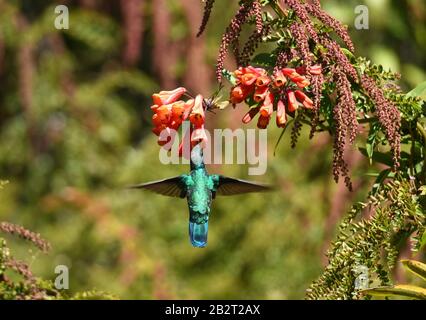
[(26, 286), (408, 291), (74, 131), (353, 92)]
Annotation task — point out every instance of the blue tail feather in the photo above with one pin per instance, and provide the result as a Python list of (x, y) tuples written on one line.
[(198, 234)]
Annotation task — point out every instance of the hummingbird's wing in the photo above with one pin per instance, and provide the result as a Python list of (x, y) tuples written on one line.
[(226, 186), (172, 187)]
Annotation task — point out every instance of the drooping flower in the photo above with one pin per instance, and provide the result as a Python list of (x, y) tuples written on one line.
[(281, 115), (167, 97), (239, 93), (304, 99), (260, 94), (279, 79), (263, 122), (178, 110), (197, 115), (250, 115), (199, 136), (262, 81), (268, 106), (292, 102)]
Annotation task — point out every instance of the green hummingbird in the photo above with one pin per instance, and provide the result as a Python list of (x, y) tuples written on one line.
[(200, 188)]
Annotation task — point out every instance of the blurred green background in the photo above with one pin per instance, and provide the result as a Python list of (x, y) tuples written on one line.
[(75, 130)]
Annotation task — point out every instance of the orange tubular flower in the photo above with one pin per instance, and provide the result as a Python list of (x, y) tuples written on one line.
[(303, 84), (167, 97), (240, 93), (199, 136), (156, 120), (154, 107), (188, 107), (197, 115), (268, 106), (281, 115), (157, 129), (279, 79), (248, 79), (262, 81), (263, 122), (260, 94), (289, 72), (292, 102), (315, 70), (163, 114), (304, 99), (250, 115), (178, 109)]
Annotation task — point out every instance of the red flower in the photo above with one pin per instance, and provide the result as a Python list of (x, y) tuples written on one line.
[(260, 94), (240, 93), (250, 115), (304, 99), (199, 136), (263, 122), (262, 81), (292, 102), (303, 83), (178, 109), (163, 113), (281, 115), (197, 115), (167, 97), (279, 79), (268, 106)]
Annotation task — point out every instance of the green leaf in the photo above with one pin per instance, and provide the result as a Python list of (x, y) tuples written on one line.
[(423, 240), (379, 157), (416, 267), (264, 60), (379, 181), (398, 290), (419, 91)]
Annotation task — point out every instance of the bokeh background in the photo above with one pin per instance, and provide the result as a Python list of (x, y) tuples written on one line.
[(75, 130)]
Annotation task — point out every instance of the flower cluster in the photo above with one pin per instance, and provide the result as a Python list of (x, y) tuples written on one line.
[(283, 92), (170, 112)]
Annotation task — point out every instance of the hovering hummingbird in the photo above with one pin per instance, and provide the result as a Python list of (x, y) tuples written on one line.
[(200, 188)]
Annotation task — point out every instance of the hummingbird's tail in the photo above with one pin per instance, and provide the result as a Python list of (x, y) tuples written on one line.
[(198, 233)]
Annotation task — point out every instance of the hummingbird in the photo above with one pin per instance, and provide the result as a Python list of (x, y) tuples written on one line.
[(200, 189)]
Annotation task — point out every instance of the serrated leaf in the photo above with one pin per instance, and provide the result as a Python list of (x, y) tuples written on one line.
[(416, 267), (401, 290), (379, 180), (419, 91)]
